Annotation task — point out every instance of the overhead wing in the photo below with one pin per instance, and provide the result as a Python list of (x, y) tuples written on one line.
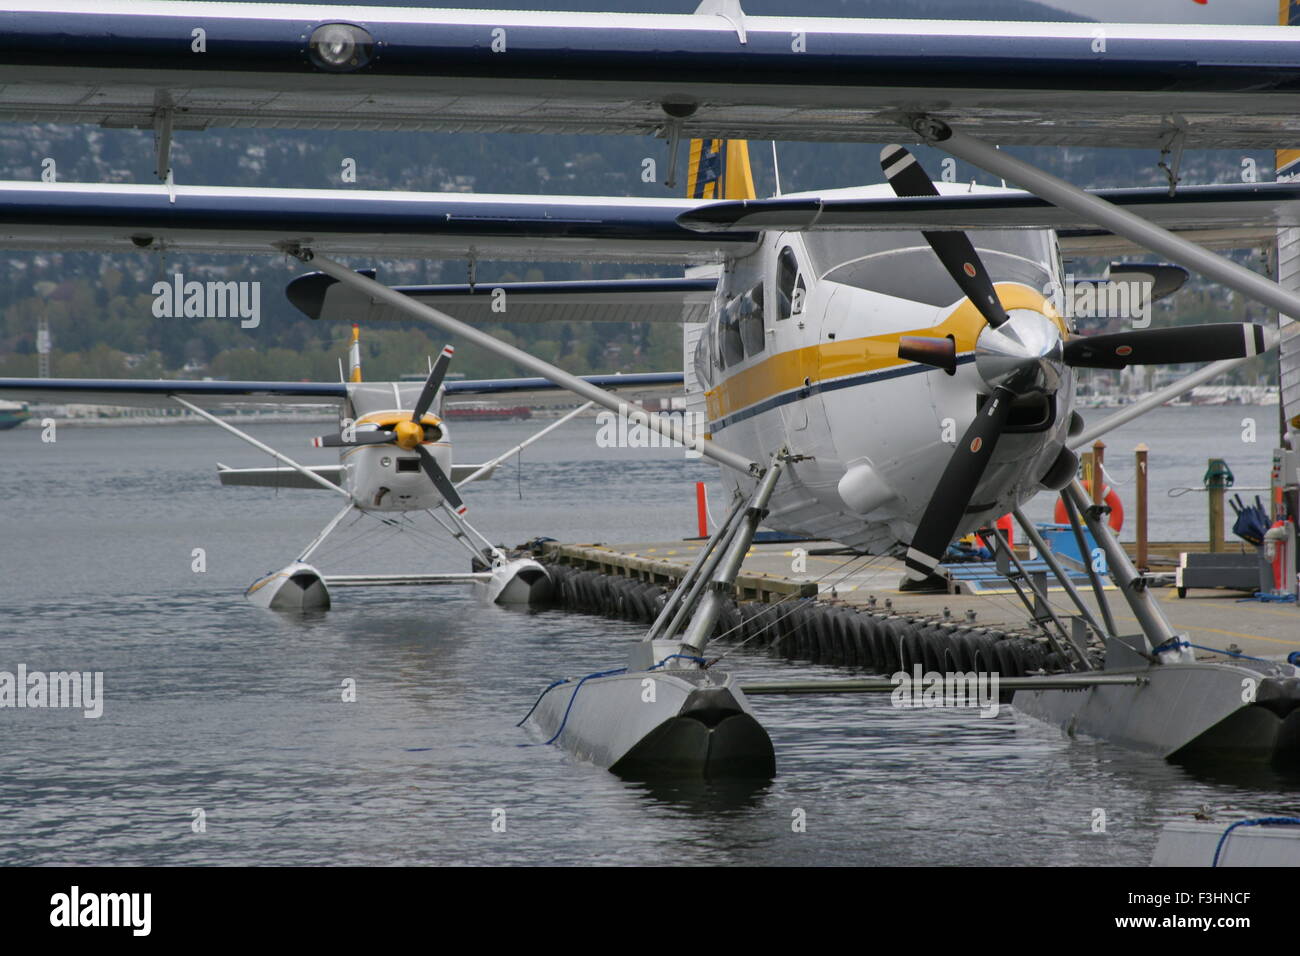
[(156, 393), (140, 63), (336, 222), (1232, 215), (619, 300)]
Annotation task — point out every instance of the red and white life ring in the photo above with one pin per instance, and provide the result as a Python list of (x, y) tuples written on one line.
[(1112, 501)]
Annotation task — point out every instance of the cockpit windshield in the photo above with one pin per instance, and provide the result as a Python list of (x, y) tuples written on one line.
[(902, 263)]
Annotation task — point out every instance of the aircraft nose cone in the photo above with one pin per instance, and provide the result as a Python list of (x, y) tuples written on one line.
[(1025, 353), (409, 434)]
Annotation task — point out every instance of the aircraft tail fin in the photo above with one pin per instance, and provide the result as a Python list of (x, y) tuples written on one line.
[(719, 169), (354, 355)]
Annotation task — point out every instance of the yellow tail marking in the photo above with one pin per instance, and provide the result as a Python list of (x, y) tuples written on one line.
[(719, 169)]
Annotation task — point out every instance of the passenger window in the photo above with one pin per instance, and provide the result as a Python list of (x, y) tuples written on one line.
[(751, 321), (730, 349), (740, 328), (790, 288)]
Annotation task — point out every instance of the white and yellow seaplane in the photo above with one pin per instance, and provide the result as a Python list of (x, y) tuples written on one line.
[(395, 455)]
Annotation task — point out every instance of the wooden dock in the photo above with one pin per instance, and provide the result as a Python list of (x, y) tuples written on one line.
[(775, 572)]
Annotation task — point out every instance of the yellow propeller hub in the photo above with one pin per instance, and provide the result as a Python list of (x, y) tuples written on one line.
[(409, 435)]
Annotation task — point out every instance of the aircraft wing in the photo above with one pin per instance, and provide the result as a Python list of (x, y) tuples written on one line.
[(183, 66), (339, 222), (616, 300), (1226, 216), (156, 393), (115, 217)]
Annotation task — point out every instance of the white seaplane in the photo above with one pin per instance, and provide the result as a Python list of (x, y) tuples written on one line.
[(837, 342), (395, 455)]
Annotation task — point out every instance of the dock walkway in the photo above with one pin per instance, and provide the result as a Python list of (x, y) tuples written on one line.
[(1211, 618)]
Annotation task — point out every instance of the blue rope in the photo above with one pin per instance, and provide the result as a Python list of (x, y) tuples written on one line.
[(685, 657), (1258, 822), (555, 684), (565, 680), (1175, 642), (620, 670)]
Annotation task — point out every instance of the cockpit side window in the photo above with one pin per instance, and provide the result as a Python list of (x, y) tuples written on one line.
[(790, 287)]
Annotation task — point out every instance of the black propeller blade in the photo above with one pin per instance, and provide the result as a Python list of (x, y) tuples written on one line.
[(1188, 343), (954, 249), (358, 438), (966, 467), (440, 480), (434, 381)]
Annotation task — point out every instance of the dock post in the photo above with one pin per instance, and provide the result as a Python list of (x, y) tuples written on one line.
[(1085, 468), (1098, 472), (1141, 475), (1217, 481)]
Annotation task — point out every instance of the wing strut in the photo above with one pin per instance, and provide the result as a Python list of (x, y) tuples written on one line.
[(446, 323)]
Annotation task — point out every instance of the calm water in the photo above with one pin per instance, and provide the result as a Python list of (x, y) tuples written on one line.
[(214, 704)]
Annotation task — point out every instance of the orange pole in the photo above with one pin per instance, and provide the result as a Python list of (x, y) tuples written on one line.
[(702, 509)]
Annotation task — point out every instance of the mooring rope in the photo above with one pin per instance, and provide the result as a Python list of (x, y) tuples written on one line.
[(1257, 822)]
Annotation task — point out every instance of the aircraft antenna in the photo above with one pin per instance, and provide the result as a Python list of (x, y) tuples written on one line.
[(776, 169)]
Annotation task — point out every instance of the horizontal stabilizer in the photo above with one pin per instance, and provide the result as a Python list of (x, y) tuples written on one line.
[(616, 300), (279, 477), (292, 478)]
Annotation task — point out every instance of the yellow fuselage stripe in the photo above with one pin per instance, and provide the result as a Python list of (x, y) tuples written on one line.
[(827, 361)]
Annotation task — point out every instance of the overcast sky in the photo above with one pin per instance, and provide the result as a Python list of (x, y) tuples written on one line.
[(1172, 11)]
